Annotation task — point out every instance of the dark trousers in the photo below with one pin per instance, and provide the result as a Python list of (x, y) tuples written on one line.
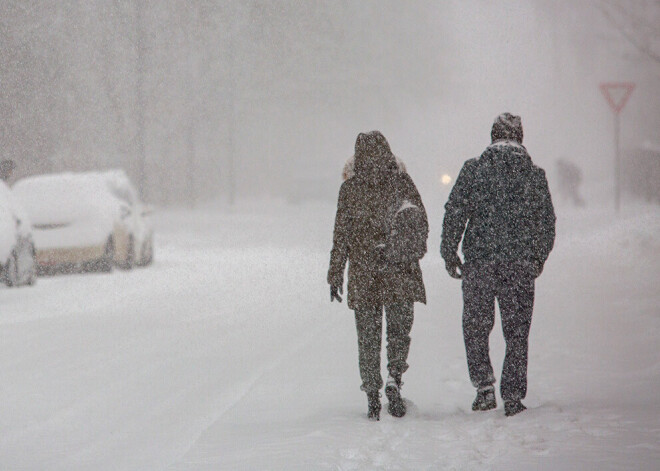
[(369, 322), (512, 285)]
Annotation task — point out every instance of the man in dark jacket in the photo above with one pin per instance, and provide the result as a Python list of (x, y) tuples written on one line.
[(7, 169), (504, 200), (376, 210)]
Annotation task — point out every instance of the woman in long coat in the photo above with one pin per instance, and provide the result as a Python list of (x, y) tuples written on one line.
[(383, 268)]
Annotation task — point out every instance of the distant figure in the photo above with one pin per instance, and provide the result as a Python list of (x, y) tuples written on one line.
[(7, 169), (570, 177), (381, 230), (504, 200), (349, 167)]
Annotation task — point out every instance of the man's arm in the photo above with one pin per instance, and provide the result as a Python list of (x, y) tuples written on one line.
[(545, 239), (457, 211)]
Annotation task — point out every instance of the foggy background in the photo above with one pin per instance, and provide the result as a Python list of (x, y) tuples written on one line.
[(222, 101), (226, 353)]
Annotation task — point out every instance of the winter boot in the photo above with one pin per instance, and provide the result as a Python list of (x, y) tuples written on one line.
[(513, 407), (396, 406), (485, 399), (373, 413)]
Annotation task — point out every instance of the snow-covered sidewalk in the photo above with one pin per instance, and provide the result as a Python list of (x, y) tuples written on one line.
[(227, 354)]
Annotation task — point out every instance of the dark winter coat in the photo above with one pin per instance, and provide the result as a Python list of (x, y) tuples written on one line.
[(505, 201), (366, 208)]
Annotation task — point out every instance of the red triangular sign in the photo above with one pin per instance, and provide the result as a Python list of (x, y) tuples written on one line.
[(617, 94)]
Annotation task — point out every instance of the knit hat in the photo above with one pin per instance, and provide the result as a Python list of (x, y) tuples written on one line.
[(507, 127)]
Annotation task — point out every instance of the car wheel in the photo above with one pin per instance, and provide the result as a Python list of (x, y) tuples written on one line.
[(147, 253), (26, 264), (31, 278), (105, 264), (11, 271), (129, 263)]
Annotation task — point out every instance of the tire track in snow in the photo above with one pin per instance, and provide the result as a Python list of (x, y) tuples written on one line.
[(243, 390)]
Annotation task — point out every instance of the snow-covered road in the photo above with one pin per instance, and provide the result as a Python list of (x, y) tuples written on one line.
[(226, 354)]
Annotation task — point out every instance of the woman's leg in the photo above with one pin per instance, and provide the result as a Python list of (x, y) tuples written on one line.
[(399, 323), (369, 323)]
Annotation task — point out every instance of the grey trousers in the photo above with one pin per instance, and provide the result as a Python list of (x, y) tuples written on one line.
[(512, 285), (369, 322)]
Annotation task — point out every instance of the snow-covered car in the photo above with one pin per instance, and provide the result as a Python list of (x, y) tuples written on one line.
[(17, 253), (86, 221)]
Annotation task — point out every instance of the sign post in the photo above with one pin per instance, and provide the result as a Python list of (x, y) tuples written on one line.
[(617, 94)]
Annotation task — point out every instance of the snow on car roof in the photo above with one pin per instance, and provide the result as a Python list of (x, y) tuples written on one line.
[(67, 197)]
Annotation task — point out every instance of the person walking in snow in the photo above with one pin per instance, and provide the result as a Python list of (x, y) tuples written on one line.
[(570, 177), (7, 168), (380, 230), (504, 200)]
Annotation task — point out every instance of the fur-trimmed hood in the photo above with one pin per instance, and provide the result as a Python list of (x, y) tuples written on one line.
[(373, 157)]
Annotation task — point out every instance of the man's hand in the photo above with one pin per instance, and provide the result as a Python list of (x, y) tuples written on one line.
[(536, 268), (453, 265), (334, 293)]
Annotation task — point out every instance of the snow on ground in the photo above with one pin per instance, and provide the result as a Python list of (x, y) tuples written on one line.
[(227, 354)]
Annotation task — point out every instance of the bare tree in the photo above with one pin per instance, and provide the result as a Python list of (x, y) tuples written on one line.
[(638, 23)]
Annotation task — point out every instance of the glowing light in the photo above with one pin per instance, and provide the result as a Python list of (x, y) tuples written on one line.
[(445, 179)]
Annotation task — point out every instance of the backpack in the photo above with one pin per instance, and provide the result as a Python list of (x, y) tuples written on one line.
[(406, 241)]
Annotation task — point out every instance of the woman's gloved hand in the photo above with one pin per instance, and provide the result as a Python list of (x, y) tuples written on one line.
[(334, 293)]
